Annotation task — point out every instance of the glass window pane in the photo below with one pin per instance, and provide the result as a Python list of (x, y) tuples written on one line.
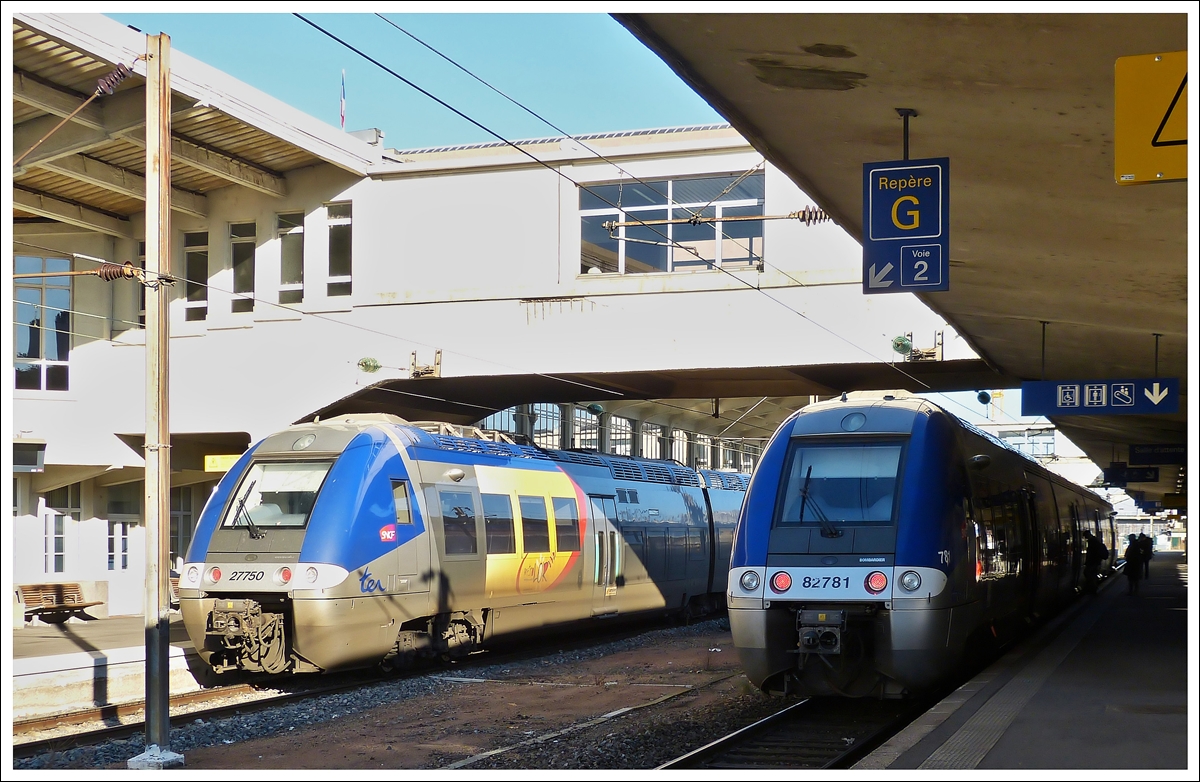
[(566, 523), (243, 230), (290, 220), (458, 522), (624, 194), (645, 245), (599, 252), (339, 250), (26, 264), (339, 211), (243, 267), (196, 313), (339, 288), (700, 191), (197, 275), (56, 377), (497, 513), (199, 239), (535, 525), (276, 494), (291, 270), (695, 246), (840, 483), (400, 497)]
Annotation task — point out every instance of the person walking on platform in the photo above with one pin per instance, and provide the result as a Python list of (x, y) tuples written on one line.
[(1147, 545), (1133, 563), (1095, 554)]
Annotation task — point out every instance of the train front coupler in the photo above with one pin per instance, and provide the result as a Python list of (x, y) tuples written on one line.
[(247, 638)]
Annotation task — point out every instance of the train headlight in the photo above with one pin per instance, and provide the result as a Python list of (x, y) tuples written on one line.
[(781, 581), (876, 582), (214, 574), (310, 575), (283, 575), (750, 581), (193, 575), (911, 580)]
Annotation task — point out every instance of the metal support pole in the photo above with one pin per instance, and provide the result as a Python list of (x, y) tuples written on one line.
[(158, 434), (1156, 338), (906, 114), (1044, 324)]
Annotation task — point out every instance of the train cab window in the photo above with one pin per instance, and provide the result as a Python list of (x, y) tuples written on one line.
[(458, 522), (400, 495), (498, 519), (840, 483), (535, 525), (566, 523), (276, 494)]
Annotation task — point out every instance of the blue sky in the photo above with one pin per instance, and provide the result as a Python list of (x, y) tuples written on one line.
[(583, 72)]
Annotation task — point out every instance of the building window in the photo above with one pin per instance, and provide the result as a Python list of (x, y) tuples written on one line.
[(42, 333), (181, 522), (586, 432), (652, 441), (679, 446), (703, 452), (118, 545), (290, 230), (646, 242), (242, 238), (141, 263), (546, 420), (63, 505), (620, 435), (338, 218), (195, 259)]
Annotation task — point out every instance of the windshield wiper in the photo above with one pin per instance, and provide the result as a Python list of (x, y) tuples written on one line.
[(255, 531), (827, 528)]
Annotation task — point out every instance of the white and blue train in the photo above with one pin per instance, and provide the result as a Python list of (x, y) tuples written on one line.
[(365, 539), (882, 539)]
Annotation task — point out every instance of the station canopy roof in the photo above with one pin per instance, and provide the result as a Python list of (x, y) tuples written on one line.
[(1023, 105)]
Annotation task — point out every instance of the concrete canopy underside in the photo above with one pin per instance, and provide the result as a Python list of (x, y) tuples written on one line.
[(1022, 104)]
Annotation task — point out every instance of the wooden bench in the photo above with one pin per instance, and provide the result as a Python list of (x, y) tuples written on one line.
[(55, 603)]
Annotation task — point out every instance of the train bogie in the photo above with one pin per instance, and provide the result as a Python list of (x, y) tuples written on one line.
[(367, 540)]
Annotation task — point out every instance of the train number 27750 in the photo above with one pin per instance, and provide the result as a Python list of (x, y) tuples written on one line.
[(246, 575)]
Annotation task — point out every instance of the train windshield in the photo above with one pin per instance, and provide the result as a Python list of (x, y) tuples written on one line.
[(276, 494), (840, 483)]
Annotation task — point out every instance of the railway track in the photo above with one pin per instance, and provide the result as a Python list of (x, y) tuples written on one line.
[(813, 733), (124, 721)]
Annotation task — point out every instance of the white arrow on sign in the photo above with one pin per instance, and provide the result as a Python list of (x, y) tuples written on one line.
[(876, 280), (1157, 396)]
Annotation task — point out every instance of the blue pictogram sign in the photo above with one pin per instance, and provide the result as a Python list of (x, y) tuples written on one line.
[(1100, 397), (906, 226)]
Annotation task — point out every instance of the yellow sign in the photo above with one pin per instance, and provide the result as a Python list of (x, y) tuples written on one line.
[(1150, 118), (1176, 501), (220, 462)]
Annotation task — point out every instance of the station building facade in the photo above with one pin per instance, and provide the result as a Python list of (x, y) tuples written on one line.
[(362, 262)]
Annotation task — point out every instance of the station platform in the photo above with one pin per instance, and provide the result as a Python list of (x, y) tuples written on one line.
[(1104, 685), (83, 664)]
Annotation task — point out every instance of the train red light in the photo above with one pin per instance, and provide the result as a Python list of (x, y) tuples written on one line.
[(781, 581), (214, 574), (876, 582)]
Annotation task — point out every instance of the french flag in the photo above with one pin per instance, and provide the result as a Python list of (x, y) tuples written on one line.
[(343, 106)]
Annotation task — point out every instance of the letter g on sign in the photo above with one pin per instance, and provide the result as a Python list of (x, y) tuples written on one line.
[(912, 213)]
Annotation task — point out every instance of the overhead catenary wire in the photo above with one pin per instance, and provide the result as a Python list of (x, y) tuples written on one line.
[(560, 173)]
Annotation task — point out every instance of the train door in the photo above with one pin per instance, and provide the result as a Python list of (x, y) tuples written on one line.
[(606, 555), (412, 548)]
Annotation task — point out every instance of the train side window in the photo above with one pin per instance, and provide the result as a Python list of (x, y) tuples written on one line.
[(566, 523), (498, 518), (458, 522), (400, 494), (535, 525)]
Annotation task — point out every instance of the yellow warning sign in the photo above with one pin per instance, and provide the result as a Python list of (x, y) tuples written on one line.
[(1151, 119), (220, 462)]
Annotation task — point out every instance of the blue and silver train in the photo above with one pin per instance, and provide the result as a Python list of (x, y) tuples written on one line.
[(366, 539), (883, 538)]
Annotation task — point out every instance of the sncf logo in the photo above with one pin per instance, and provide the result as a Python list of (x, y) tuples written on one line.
[(387, 534)]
